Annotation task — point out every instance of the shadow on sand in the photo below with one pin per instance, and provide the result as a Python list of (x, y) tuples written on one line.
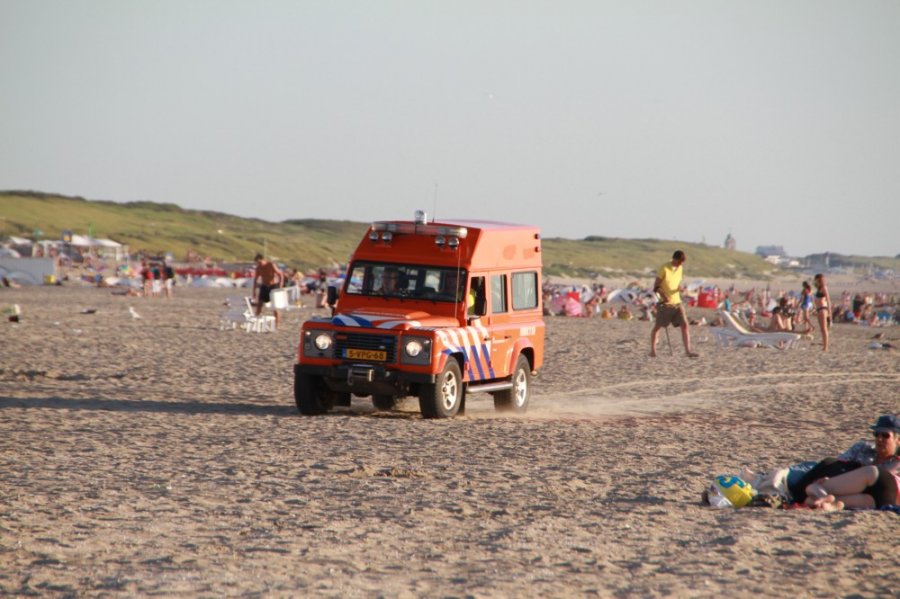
[(129, 405), (100, 404)]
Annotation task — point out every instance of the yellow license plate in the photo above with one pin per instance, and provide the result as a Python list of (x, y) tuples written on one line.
[(367, 354)]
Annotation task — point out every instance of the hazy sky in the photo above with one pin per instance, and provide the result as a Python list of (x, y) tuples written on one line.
[(777, 121)]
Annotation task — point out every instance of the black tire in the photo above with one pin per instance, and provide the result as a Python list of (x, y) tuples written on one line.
[(384, 402), (444, 398), (310, 394), (516, 399)]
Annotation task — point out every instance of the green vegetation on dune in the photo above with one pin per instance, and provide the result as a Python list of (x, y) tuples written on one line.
[(309, 243), (169, 228), (641, 257)]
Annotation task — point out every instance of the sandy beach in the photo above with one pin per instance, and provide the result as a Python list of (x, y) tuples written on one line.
[(164, 456)]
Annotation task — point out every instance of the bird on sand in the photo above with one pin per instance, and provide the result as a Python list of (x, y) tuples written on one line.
[(133, 312)]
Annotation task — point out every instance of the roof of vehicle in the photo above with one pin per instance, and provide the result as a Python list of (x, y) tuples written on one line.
[(485, 225), (463, 242)]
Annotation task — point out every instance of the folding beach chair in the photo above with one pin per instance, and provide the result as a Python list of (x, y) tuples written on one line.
[(264, 323), (239, 313), (734, 334)]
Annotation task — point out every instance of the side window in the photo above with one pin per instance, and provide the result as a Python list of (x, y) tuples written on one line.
[(524, 290), (498, 294), (359, 279)]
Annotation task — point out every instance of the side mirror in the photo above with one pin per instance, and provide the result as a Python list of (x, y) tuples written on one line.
[(331, 296)]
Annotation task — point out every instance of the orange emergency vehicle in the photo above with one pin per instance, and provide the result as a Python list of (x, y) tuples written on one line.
[(433, 310)]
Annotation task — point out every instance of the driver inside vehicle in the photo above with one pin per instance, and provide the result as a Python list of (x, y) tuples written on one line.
[(451, 286), (389, 279)]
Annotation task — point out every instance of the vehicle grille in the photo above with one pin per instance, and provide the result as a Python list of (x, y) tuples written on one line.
[(385, 343)]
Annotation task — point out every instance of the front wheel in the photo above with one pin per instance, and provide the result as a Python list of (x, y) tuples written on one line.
[(310, 394), (516, 399), (444, 397)]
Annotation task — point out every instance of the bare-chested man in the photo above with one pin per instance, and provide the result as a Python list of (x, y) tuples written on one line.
[(269, 277)]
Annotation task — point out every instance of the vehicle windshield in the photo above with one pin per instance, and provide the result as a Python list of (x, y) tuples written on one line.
[(385, 279)]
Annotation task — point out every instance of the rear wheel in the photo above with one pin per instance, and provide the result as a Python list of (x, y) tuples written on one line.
[(516, 399), (311, 395), (444, 397), (384, 402)]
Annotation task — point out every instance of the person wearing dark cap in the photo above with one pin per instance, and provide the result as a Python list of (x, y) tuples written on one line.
[(871, 486), (670, 310), (883, 450), (867, 452)]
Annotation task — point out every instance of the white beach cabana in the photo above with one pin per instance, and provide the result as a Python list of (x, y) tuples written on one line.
[(103, 247)]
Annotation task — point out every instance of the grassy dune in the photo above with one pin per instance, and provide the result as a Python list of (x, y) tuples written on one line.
[(641, 257), (167, 227), (310, 243)]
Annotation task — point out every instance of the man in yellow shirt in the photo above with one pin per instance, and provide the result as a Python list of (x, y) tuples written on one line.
[(670, 310)]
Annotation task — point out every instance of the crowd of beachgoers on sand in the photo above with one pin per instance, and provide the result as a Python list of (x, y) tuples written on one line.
[(637, 301), (157, 275)]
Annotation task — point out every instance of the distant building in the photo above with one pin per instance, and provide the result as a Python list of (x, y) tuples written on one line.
[(730, 242), (771, 250)]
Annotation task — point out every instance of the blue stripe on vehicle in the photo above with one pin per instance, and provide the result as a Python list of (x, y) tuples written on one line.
[(485, 351), (449, 351), (469, 365), (470, 356), (477, 358), (352, 321)]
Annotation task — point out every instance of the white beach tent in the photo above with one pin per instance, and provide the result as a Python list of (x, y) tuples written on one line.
[(627, 295), (105, 247), (81, 241), (114, 249)]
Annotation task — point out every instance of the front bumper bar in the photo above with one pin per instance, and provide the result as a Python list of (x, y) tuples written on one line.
[(365, 379)]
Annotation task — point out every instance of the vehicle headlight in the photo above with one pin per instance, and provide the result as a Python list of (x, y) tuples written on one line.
[(323, 341), (416, 351)]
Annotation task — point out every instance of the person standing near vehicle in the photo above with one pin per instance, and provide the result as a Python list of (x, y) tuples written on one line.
[(670, 310), (269, 277)]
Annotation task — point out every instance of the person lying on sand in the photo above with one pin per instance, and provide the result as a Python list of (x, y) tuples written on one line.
[(781, 321), (871, 486)]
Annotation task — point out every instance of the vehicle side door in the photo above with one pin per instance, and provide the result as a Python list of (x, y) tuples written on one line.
[(500, 323)]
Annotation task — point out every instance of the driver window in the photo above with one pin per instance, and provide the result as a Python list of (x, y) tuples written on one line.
[(476, 295)]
